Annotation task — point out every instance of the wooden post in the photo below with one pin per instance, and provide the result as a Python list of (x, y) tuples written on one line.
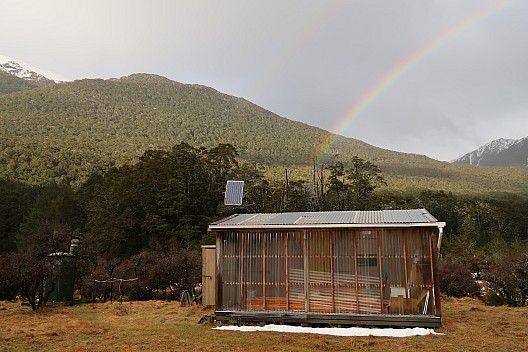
[(332, 269), (242, 264), (431, 258), (220, 268), (378, 235), (354, 239), (287, 277), (407, 288), (263, 251), (436, 285), (306, 273)]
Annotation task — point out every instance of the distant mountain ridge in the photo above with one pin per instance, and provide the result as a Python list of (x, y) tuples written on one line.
[(500, 152), (27, 72), (65, 132), (16, 69)]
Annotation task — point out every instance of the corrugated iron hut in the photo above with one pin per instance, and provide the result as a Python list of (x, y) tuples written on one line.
[(346, 267)]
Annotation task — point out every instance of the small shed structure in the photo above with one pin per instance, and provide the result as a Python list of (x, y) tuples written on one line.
[(60, 284), (341, 267)]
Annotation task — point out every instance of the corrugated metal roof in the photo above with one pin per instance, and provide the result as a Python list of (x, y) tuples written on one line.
[(330, 218)]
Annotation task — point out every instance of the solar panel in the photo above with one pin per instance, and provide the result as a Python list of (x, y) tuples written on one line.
[(234, 193)]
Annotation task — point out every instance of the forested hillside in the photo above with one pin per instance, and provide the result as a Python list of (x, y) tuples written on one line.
[(10, 83), (65, 132), (148, 220)]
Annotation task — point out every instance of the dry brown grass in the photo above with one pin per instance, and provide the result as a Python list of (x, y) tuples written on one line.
[(165, 326)]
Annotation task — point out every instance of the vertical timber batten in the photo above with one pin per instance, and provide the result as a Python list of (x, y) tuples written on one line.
[(263, 255), (406, 272), (242, 273), (219, 268), (306, 273), (354, 239), (332, 281), (287, 278), (436, 288), (378, 235), (433, 281)]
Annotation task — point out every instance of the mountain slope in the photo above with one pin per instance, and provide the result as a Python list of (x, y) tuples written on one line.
[(10, 83), (15, 77), (516, 154), (500, 152), (27, 72), (151, 111), (63, 132)]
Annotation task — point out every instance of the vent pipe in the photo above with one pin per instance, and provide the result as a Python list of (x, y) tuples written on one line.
[(440, 235), (74, 244)]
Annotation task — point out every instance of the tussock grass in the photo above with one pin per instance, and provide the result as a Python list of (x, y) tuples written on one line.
[(469, 325)]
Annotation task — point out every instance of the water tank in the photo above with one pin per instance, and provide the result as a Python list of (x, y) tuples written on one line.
[(62, 277)]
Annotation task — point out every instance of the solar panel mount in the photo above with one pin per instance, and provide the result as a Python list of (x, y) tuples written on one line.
[(234, 192)]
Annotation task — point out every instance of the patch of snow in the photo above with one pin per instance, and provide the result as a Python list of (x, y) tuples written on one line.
[(26, 68), (352, 331)]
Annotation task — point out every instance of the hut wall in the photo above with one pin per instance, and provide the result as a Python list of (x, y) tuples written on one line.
[(366, 271)]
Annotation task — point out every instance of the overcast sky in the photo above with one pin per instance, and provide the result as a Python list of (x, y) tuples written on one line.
[(433, 77)]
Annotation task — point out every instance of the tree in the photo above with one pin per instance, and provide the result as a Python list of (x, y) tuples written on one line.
[(52, 204), (28, 269), (8, 284), (337, 186), (15, 201), (365, 177), (299, 196), (167, 199), (223, 162), (352, 187), (257, 190)]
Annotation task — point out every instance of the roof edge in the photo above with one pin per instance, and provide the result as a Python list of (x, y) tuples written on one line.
[(213, 227)]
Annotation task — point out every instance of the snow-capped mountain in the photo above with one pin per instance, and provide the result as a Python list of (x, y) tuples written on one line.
[(500, 152), (27, 72)]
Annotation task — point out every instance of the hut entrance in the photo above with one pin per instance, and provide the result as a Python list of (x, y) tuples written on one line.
[(208, 275)]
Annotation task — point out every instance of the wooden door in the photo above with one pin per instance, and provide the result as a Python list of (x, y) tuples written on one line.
[(209, 275)]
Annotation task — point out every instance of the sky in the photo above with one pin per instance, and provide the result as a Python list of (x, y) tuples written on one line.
[(432, 77)]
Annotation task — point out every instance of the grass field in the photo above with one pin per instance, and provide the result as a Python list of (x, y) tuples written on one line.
[(469, 325)]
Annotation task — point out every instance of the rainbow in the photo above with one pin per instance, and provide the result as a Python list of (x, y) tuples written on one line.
[(402, 68)]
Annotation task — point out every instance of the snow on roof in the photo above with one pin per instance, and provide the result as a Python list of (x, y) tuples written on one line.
[(352, 331)]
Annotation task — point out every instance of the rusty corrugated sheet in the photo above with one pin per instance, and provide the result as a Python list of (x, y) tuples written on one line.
[(413, 216), (383, 271)]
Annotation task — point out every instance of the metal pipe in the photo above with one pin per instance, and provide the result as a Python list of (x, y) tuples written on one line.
[(440, 235)]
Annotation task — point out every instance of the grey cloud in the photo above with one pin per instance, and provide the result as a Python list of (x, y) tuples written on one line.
[(306, 60)]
